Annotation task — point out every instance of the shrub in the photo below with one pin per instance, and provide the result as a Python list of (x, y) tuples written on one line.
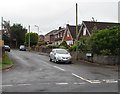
[(51, 46), (64, 44), (106, 41), (72, 48), (63, 47)]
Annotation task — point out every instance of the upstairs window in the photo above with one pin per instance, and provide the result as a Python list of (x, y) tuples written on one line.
[(68, 35), (84, 31)]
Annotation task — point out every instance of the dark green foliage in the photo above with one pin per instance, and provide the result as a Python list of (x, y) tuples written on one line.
[(17, 34), (52, 46), (40, 43), (72, 48), (33, 38), (105, 42), (64, 45)]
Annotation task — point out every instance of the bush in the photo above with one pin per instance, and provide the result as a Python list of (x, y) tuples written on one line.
[(64, 44), (63, 47), (105, 42), (72, 48), (105, 52), (52, 46)]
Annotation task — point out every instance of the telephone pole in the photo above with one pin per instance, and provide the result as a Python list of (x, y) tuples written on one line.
[(29, 37), (76, 31), (2, 24)]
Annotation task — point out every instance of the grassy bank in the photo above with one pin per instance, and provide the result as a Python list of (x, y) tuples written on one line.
[(6, 62)]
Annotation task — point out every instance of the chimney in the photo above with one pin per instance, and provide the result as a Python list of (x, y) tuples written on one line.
[(59, 28), (67, 24)]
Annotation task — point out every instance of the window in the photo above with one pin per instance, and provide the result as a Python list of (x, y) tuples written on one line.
[(84, 31), (68, 34), (61, 34)]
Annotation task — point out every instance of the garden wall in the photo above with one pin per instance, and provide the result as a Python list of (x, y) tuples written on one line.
[(110, 60)]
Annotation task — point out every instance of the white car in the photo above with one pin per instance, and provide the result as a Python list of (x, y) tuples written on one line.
[(22, 48), (60, 55)]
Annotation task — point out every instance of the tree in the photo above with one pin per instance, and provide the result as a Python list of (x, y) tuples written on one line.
[(33, 39), (17, 34), (6, 32)]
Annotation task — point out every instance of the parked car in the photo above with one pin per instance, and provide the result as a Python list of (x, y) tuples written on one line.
[(60, 55), (7, 48), (22, 48)]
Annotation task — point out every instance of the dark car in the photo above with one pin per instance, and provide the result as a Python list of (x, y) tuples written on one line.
[(22, 48), (7, 48)]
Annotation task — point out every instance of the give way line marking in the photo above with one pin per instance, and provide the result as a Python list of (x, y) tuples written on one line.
[(95, 81)]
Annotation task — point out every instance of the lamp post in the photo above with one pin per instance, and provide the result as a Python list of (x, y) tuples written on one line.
[(37, 28), (38, 31)]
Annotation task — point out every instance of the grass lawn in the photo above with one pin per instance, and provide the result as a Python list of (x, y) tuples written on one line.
[(6, 62)]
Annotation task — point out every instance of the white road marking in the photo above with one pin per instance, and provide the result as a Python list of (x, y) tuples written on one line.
[(23, 84), (79, 83), (46, 63), (90, 81), (61, 83), (59, 68), (81, 77), (7, 85), (95, 81), (110, 81)]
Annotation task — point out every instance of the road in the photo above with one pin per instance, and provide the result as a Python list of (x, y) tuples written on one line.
[(34, 73)]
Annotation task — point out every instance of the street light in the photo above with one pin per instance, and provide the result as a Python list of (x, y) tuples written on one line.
[(37, 28), (38, 31)]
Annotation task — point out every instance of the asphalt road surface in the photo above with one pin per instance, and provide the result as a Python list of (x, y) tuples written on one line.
[(34, 73)]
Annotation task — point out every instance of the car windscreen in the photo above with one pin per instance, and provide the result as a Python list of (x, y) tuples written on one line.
[(61, 51)]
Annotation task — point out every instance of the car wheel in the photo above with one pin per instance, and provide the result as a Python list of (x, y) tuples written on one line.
[(50, 60), (55, 60), (70, 62)]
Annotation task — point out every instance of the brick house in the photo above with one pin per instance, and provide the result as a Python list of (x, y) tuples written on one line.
[(55, 36), (41, 37), (49, 37), (59, 36)]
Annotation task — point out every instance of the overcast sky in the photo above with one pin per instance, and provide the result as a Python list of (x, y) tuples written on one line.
[(51, 14)]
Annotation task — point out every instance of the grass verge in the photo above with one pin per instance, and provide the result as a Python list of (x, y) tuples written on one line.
[(6, 62)]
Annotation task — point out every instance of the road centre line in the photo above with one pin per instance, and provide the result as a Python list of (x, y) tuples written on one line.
[(7, 85), (76, 83), (62, 83), (59, 68), (24, 84)]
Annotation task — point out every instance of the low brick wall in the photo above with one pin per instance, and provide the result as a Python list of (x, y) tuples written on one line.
[(110, 60)]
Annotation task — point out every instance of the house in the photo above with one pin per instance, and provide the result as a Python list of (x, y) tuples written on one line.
[(41, 37), (59, 35), (55, 36), (70, 34), (88, 27), (49, 37)]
